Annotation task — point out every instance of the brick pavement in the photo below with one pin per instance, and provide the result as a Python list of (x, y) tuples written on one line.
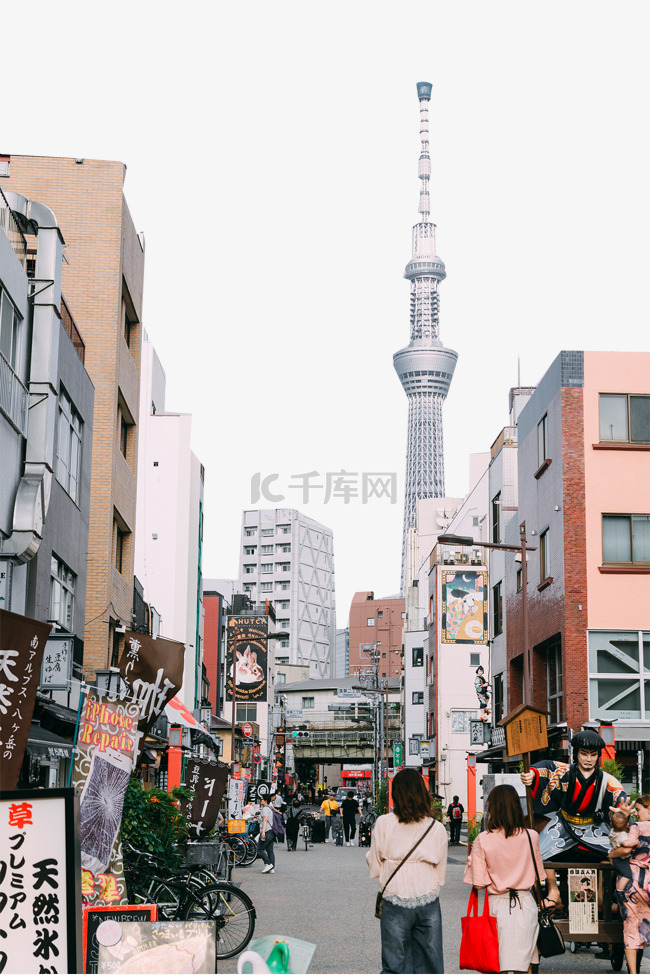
[(324, 895)]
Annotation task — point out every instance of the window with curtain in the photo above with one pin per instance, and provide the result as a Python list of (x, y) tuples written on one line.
[(626, 539)]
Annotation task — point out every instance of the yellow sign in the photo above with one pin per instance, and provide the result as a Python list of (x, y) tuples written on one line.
[(525, 732), (236, 825)]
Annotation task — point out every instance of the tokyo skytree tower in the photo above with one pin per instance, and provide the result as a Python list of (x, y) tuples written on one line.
[(425, 367)]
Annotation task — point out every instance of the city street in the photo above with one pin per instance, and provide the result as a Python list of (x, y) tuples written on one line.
[(324, 895)]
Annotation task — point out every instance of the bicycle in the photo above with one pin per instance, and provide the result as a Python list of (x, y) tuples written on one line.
[(180, 896), (305, 828)]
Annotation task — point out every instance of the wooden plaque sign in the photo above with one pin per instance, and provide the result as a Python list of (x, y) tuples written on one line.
[(526, 730)]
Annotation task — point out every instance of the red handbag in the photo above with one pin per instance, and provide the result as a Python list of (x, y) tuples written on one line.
[(479, 945)]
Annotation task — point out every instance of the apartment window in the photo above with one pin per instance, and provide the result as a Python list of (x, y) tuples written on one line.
[(474, 521), (266, 532), (283, 603), (496, 519), (284, 529), (380, 614), (246, 712), (281, 660), (307, 703), (519, 580), (418, 656), (266, 587), (542, 440), (554, 679), (248, 589), (497, 610), (284, 566), (544, 556), (370, 621), (619, 680), (120, 547), (249, 550), (475, 660), (283, 586), (417, 697), (266, 568), (626, 539), (284, 643), (249, 569), (68, 450), (283, 624), (9, 330), (624, 418), (283, 548), (403, 616), (249, 532), (497, 698), (62, 586), (280, 678), (266, 550)]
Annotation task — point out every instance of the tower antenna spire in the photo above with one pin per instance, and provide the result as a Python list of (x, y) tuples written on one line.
[(425, 367)]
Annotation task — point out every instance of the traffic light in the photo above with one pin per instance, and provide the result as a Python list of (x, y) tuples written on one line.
[(299, 735)]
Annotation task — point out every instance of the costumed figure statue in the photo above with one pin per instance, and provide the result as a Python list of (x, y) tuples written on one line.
[(482, 689), (576, 799)]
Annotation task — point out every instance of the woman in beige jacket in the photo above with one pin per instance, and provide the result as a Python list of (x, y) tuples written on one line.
[(411, 923)]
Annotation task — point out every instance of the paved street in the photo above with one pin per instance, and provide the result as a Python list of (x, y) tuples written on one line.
[(325, 896)]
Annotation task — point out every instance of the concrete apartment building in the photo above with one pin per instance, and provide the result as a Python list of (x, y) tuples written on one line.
[(46, 436), (169, 522), (376, 624), (289, 559), (102, 281)]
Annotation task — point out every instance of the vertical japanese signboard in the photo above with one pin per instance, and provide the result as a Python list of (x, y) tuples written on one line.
[(56, 668), (22, 642), (207, 780), (250, 633), (40, 900), (464, 606), (107, 746), (153, 671)]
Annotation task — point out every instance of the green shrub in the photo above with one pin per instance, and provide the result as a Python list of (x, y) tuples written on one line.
[(152, 821), (382, 797), (612, 767)]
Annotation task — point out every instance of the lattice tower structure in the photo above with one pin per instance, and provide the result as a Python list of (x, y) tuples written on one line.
[(425, 367)]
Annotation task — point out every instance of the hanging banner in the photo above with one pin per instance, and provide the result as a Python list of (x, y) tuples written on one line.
[(177, 713), (207, 780), (464, 606), (153, 671), (250, 671), (22, 642), (107, 748), (39, 882)]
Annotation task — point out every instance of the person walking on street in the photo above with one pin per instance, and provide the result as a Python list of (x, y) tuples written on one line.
[(267, 837), (455, 813), (292, 825), (329, 808), (502, 860), (408, 853), (349, 809)]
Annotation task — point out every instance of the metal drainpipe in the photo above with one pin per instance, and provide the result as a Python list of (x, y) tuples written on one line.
[(33, 492)]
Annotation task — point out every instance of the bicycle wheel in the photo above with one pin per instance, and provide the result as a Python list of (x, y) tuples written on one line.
[(233, 912), (251, 851), (168, 898), (238, 848)]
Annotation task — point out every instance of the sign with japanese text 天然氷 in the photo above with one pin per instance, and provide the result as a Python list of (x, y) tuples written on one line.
[(22, 642), (106, 750), (250, 670), (39, 882)]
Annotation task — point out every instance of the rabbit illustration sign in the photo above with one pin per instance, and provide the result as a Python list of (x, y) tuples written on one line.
[(247, 643)]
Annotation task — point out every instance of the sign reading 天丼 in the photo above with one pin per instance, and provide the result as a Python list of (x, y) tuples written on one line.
[(464, 606)]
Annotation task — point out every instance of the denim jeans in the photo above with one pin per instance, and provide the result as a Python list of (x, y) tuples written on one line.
[(328, 826), (411, 938), (265, 847)]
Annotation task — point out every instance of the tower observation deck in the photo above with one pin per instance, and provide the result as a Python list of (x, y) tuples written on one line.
[(425, 367)]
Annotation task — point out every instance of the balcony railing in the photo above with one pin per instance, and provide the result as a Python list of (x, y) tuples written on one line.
[(11, 229), (13, 397), (507, 438)]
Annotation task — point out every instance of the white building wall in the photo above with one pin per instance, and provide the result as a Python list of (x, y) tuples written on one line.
[(169, 500)]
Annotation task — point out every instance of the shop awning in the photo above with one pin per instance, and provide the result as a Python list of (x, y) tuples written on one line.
[(46, 744), (178, 714)]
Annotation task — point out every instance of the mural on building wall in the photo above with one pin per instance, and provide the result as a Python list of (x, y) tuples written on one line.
[(464, 606), (251, 664)]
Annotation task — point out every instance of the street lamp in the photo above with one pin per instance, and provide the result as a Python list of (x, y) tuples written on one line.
[(236, 641), (466, 540)]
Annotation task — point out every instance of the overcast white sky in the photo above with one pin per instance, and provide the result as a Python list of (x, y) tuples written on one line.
[(272, 166)]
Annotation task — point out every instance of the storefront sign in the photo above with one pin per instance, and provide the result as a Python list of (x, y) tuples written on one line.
[(93, 931), (207, 780), (159, 946), (39, 882), (250, 668), (106, 750), (153, 671), (56, 668), (22, 642)]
